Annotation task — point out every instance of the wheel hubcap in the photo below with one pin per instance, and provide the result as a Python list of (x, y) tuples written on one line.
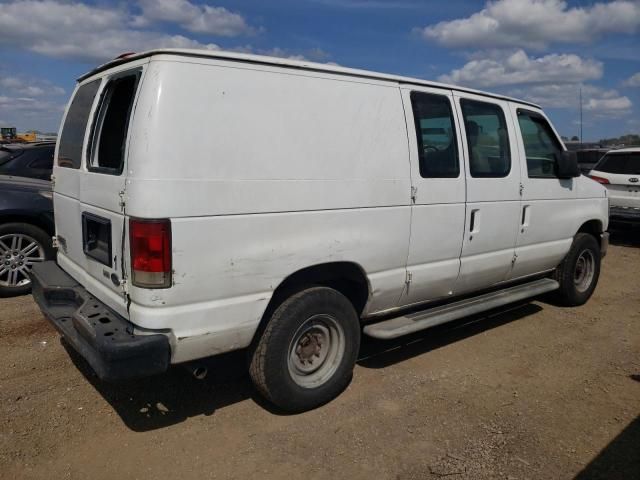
[(18, 253), (584, 271), (316, 350)]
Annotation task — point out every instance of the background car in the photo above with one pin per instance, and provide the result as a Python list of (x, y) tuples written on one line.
[(26, 228), (588, 158), (619, 171), (33, 160)]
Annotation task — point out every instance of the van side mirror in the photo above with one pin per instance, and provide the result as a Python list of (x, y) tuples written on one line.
[(567, 163)]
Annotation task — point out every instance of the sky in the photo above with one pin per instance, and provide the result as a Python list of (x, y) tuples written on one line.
[(544, 51)]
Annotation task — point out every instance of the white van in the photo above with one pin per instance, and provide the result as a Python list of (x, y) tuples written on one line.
[(209, 201)]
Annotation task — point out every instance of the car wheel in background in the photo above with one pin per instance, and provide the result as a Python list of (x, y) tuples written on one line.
[(21, 245)]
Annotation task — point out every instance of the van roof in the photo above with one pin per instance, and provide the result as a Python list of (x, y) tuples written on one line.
[(293, 64)]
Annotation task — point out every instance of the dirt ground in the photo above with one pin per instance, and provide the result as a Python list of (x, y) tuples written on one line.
[(533, 391)]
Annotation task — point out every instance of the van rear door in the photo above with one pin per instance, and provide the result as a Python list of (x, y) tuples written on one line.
[(90, 181)]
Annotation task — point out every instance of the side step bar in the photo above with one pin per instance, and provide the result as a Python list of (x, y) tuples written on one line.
[(414, 322)]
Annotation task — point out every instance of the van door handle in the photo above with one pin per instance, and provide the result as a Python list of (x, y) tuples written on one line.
[(474, 223), (526, 218)]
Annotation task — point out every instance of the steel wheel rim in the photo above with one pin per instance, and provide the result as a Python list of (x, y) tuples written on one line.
[(316, 351), (18, 253), (584, 271)]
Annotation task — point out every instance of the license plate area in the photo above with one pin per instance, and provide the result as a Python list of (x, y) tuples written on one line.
[(96, 237)]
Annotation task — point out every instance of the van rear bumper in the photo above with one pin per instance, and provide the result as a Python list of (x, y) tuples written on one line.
[(105, 339)]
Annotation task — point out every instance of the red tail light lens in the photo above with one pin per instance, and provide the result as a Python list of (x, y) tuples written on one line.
[(150, 246), (601, 180)]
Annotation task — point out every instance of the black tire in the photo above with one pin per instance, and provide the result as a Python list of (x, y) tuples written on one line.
[(572, 291), (275, 364), (39, 236)]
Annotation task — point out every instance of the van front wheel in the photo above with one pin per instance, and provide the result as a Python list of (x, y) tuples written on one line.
[(579, 271), (306, 354)]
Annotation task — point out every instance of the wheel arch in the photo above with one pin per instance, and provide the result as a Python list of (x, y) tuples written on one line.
[(594, 228), (349, 278)]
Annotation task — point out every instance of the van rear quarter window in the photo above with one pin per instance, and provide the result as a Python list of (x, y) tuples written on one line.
[(620, 163), (75, 126)]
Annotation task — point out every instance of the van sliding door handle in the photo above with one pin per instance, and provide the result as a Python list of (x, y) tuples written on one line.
[(526, 217), (474, 224)]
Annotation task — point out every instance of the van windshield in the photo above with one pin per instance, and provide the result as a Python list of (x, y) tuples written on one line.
[(620, 163)]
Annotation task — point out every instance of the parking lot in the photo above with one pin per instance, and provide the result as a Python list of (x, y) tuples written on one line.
[(533, 391)]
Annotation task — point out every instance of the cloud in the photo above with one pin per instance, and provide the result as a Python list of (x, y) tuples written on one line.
[(518, 68), (599, 102), (632, 81), (29, 87), (194, 18), (535, 24), (313, 55), (29, 113), (30, 103), (82, 32)]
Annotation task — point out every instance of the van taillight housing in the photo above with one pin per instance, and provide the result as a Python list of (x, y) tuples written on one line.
[(150, 246)]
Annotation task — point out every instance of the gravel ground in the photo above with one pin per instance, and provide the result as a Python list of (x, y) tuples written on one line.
[(531, 392)]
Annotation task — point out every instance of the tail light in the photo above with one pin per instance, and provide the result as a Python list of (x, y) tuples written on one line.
[(150, 246), (601, 180)]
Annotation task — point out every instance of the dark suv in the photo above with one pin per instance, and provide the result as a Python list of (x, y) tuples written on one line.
[(33, 160)]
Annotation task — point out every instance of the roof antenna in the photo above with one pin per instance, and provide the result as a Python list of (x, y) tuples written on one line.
[(580, 116)]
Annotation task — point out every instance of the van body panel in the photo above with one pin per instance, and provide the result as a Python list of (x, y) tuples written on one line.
[(438, 213), (303, 155), (552, 209), (225, 275), (492, 206)]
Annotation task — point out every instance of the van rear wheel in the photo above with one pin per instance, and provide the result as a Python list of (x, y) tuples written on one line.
[(306, 354), (579, 271)]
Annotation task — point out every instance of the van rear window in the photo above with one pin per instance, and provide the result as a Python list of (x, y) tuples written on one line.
[(75, 126), (111, 131), (620, 163)]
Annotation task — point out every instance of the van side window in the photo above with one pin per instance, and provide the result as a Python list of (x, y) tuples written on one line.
[(437, 146), (107, 152), (540, 145), (75, 125), (487, 138)]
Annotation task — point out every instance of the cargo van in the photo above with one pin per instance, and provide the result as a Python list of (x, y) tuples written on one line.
[(208, 201)]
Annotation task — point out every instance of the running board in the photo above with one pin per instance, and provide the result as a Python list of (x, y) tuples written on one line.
[(414, 322)]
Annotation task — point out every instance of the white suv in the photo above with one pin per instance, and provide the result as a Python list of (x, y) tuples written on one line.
[(210, 201), (619, 172)]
